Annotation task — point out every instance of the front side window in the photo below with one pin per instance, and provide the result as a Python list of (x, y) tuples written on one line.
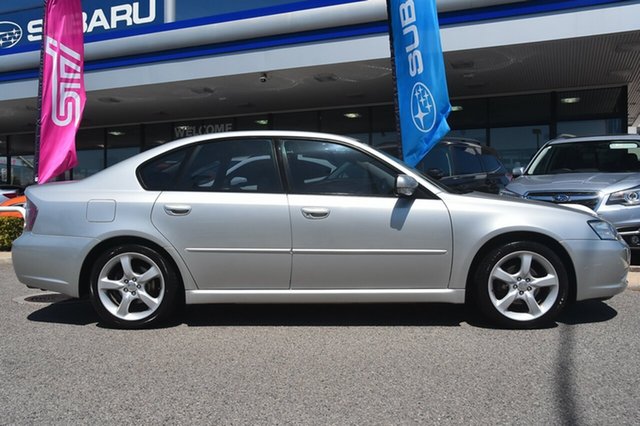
[(316, 167)]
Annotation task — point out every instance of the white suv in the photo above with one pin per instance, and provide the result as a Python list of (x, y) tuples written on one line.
[(601, 172)]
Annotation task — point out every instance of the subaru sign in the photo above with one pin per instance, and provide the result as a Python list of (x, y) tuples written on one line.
[(22, 30)]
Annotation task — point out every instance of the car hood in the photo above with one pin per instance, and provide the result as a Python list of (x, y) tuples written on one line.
[(598, 182)]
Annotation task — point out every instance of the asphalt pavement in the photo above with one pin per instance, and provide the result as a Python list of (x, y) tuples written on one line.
[(315, 364)]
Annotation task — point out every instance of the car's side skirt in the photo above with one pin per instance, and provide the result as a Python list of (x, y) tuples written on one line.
[(326, 296)]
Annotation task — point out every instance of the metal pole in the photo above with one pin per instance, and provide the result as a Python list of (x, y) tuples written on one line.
[(396, 107), (36, 150)]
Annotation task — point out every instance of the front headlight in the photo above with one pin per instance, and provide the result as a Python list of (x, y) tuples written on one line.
[(629, 197), (603, 229)]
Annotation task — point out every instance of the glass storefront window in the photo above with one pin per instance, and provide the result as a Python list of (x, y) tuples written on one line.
[(23, 144), (478, 134), (254, 122), (122, 143), (307, 120), (352, 122), (4, 166), (590, 127), (468, 113), (202, 127), (22, 170), (383, 126), (595, 103), (534, 108), (517, 145), (90, 162), (21, 149), (90, 144), (157, 134)]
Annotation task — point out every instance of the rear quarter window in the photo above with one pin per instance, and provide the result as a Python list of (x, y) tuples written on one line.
[(161, 173)]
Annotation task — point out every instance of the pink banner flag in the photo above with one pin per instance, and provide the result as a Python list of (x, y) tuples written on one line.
[(63, 94)]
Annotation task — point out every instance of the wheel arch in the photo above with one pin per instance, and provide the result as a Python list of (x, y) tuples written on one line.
[(98, 250), (523, 236)]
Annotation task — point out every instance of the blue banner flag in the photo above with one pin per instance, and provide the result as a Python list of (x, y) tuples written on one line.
[(422, 95)]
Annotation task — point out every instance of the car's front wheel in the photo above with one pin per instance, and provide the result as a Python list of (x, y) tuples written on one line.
[(133, 286), (521, 285)]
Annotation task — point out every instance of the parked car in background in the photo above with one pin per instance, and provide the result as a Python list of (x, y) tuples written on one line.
[(297, 217), (601, 173), (10, 191), (19, 201), (462, 164)]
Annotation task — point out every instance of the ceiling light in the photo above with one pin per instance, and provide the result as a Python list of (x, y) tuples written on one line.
[(116, 133), (352, 115), (570, 100), (262, 122), (456, 108)]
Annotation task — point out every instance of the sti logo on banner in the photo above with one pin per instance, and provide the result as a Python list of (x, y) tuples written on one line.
[(117, 16), (66, 84)]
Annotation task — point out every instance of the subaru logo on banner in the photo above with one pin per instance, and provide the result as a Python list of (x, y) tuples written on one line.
[(423, 98)]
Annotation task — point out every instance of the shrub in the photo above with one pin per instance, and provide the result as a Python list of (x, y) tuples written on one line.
[(10, 229)]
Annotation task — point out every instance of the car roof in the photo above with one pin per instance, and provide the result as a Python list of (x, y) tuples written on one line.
[(601, 138)]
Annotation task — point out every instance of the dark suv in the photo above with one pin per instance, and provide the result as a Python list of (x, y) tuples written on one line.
[(462, 164)]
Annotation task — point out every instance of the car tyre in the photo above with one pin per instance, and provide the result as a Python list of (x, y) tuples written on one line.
[(521, 285), (134, 286)]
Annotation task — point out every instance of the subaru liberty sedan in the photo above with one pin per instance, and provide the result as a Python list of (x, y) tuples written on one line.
[(599, 172), (297, 217)]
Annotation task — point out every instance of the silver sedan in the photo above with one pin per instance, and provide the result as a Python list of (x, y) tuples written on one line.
[(296, 217)]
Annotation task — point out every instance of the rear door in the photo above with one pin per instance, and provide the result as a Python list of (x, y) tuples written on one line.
[(227, 215)]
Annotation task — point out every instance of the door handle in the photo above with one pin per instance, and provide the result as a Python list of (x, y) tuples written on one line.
[(177, 209), (315, 212)]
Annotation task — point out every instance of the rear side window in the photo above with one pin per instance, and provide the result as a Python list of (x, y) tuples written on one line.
[(234, 165)]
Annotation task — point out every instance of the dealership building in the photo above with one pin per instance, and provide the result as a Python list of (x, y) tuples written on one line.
[(519, 73)]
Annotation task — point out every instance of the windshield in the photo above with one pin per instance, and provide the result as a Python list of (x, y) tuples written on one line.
[(587, 157)]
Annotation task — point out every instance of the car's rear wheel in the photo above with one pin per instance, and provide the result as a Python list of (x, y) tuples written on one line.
[(521, 285), (133, 286)]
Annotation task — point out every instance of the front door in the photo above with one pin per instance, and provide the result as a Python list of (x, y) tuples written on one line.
[(350, 231)]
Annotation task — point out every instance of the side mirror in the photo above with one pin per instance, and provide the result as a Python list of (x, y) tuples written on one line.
[(405, 186), (518, 171)]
